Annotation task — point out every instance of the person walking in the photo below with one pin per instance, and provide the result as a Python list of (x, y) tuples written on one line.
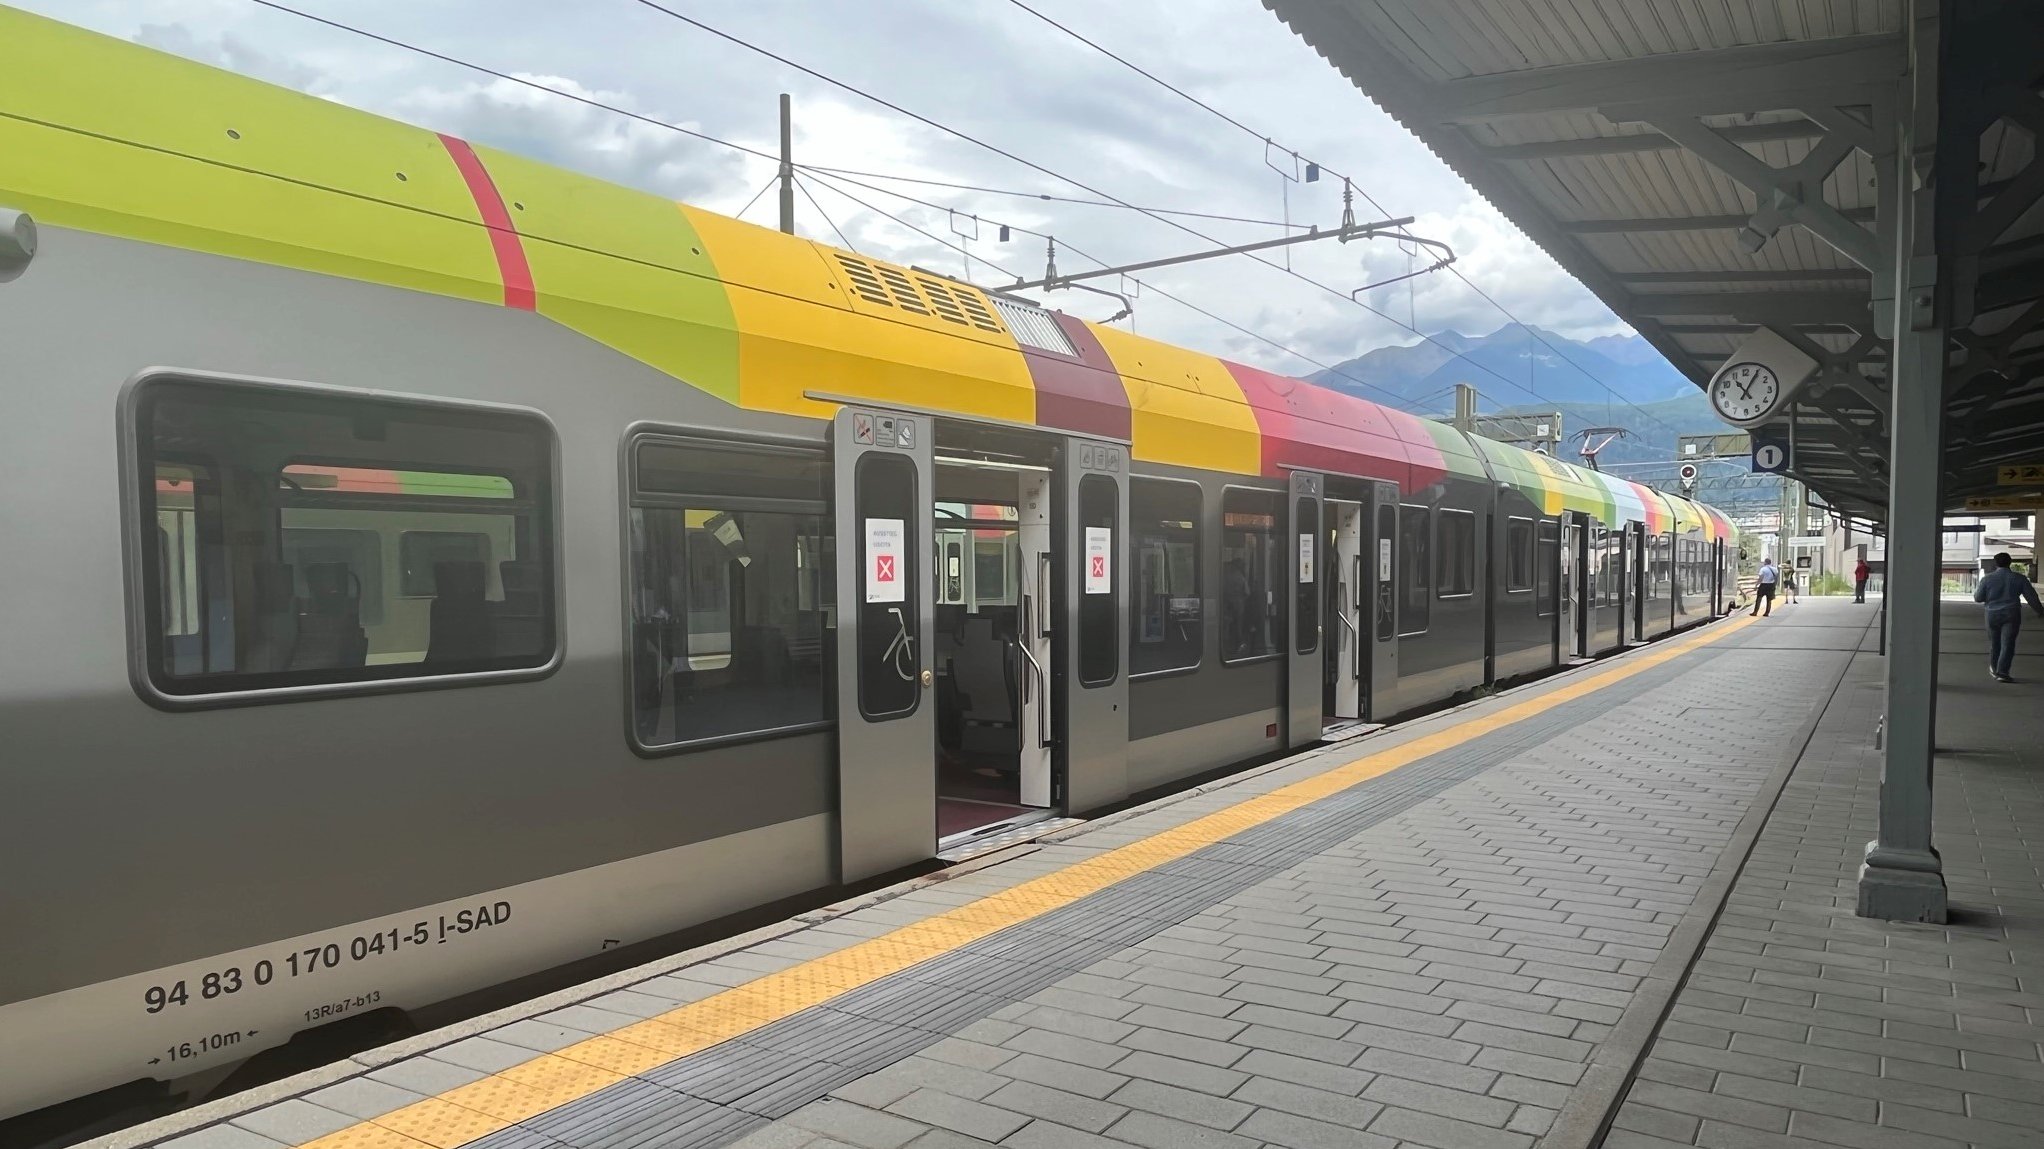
[(1763, 591), (2003, 590), (1860, 575)]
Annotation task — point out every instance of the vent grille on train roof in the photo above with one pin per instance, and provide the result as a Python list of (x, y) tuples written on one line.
[(1034, 327), (920, 294)]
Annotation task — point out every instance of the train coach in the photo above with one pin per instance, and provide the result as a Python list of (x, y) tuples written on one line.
[(427, 567)]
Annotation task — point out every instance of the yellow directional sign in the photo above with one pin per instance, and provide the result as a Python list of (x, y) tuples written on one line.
[(2020, 475), (2027, 500)]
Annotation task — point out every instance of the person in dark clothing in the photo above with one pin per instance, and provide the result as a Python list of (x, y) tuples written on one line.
[(2003, 590), (1860, 575), (1763, 591)]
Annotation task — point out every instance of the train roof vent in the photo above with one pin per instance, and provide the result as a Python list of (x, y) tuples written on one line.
[(864, 281), (1033, 326), (905, 295), (941, 298)]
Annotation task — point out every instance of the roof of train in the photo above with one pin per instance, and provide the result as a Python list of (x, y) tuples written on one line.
[(110, 137)]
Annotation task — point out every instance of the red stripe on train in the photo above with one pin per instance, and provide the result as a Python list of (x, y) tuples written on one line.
[(517, 274)]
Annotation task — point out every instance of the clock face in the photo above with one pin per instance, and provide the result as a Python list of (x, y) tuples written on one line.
[(1745, 391)]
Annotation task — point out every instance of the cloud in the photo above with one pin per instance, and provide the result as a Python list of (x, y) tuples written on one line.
[(991, 71), (230, 51), (517, 118)]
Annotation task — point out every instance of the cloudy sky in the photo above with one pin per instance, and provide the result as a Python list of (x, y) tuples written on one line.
[(987, 68)]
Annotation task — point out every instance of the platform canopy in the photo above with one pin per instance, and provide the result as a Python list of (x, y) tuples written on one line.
[(1709, 166)]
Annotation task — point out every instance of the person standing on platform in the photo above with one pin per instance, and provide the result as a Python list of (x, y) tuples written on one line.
[(2003, 590), (1860, 575), (1788, 584), (1764, 590)]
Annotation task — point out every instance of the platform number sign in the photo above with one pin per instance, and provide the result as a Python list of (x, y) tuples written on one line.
[(1770, 456), (1099, 560), (884, 571)]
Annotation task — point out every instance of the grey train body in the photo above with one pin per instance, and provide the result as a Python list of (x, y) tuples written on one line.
[(141, 838)]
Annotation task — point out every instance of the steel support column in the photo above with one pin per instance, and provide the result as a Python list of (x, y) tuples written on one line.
[(1902, 877)]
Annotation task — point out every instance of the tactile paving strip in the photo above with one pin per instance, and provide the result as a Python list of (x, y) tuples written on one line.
[(715, 1096)]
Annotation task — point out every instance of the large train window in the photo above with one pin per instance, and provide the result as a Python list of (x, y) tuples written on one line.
[(1253, 573), (1415, 570), (1167, 620), (270, 522), (1455, 532), (1518, 555), (732, 584)]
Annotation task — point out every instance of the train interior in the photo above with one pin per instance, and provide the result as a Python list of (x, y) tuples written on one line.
[(991, 647), (1343, 650)]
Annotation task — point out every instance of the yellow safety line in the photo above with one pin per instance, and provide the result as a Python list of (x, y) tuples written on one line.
[(549, 1080)]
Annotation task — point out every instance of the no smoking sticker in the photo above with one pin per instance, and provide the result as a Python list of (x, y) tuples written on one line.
[(1099, 563), (884, 581)]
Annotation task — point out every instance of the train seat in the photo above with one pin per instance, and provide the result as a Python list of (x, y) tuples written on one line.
[(458, 628), (330, 630)]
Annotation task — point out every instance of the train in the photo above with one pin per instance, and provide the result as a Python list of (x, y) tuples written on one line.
[(430, 568)]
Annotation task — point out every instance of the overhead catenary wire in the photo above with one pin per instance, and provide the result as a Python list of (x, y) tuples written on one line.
[(835, 229), (1329, 170), (1146, 285), (1108, 200), (998, 150)]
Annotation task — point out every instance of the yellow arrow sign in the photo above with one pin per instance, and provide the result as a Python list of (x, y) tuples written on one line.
[(2022, 502), (2020, 475)]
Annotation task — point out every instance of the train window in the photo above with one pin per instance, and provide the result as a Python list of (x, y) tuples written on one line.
[(1546, 564), (1415, 570), (1455, 532), (278, 518), (1167, 622), (1253, 573), (1306, 614), (732, 590), (1518, 555), (1100, 598)]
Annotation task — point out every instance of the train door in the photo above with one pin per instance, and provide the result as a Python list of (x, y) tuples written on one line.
[(1570, 535), (990, 648), (1586, 598), (1380, 590), (1637, 532), (1090, 656), (1621, 586), (886, 790), (1347, 658), (1306, 671)]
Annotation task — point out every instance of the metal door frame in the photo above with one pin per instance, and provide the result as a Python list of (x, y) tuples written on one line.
[(886, 765), (1091, 720), (1306, 668), (1380, 563), (1346, 577)]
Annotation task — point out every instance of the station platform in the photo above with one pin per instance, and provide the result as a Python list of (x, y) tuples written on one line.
[(1614, 907)]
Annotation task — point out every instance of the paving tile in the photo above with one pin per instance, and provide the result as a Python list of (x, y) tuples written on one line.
[(1276, 1127), (1444, 1132), (1159, 1132), (294, 1121), (1033, 1100), (1065, 1075), (1182, 1104)]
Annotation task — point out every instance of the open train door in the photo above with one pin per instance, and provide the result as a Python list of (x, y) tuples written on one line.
[(886, 729), (1380, 566), (1348, 656), (1092, 656), (1306, 671)]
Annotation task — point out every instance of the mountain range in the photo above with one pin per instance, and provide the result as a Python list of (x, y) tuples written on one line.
[(1608, 381), (1514, 366)]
